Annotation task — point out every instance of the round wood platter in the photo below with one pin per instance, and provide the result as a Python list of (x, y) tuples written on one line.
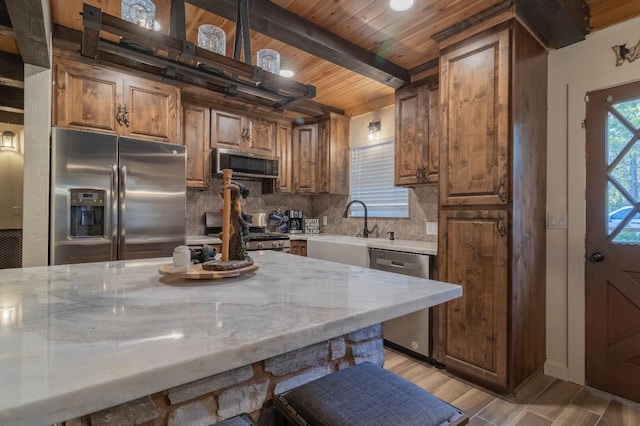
[(196, 272)]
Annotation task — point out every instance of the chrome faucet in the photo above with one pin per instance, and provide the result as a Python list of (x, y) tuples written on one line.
[(365, 231)]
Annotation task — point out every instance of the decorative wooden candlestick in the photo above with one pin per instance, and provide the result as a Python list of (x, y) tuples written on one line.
[(226, 212)]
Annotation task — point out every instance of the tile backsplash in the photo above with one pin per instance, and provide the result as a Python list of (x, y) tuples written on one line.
[(423, 207)]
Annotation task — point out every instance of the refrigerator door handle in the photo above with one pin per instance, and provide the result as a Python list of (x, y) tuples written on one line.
[(122, 223), (114, 211)]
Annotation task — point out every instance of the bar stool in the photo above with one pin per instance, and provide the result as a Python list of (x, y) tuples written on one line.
[(364, 395)]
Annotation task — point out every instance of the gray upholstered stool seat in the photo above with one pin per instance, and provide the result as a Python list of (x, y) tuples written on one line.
[(239, 420), (364, 395)]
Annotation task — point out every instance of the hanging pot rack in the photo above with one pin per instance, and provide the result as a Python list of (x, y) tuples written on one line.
[(184, 61)]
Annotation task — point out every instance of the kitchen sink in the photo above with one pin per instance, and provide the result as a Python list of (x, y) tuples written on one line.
[(348, 250)]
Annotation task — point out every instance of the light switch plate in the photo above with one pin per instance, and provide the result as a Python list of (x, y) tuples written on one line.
[(557, 221), (324, 221), (432, 228)]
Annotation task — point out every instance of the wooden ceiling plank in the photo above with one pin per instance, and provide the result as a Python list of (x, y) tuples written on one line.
[(28, 21), (278, 23)]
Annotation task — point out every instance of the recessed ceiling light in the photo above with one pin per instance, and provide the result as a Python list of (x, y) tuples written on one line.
[(286, 73), (400, 5)]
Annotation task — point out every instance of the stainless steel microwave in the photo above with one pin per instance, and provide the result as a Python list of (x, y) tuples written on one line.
[(244, 164)]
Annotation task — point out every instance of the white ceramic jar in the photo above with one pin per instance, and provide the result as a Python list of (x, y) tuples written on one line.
[(181, 259)]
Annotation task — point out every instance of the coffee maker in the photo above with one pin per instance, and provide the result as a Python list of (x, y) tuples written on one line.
[(295, 221)]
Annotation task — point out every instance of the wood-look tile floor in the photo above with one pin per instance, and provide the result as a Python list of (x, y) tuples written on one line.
[(542, 401)]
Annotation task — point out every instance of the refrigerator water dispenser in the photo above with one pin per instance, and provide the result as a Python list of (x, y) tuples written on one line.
[(86, 207)]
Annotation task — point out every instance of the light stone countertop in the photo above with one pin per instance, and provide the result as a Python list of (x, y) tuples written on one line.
[(196, 240), (75, 339), (410, 246)]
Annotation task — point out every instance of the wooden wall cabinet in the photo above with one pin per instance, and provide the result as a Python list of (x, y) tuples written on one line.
[(240, 133), (417, 134), (333, 155), (196, 132), (492, 206), (298, 247), (284, 144), (304, 153), (92, 98)]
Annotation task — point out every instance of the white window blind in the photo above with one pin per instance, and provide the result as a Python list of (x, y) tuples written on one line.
[(372, 182)]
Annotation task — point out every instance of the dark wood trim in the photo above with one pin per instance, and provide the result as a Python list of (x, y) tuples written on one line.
[(177, 25), (12, 97), (472, 21), (28, 22), (426, 66), (5, 21), (11, 117), (557, 23), (12, 69), (280, 24)]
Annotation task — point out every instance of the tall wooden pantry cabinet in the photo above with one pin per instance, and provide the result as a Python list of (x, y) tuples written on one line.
[(493, 93)]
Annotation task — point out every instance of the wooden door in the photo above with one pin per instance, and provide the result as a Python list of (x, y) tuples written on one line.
[(474, 91), (304, 159), (472, 330), (613, 241), (152, 110), (227, 130), (283, 150), (196, 132), (263, 133), (86, 96)]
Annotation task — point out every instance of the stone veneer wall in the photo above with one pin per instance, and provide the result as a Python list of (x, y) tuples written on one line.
[(247, 389), (423, 207)]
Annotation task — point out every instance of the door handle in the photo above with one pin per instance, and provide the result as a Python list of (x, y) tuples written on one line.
[(596, 257)]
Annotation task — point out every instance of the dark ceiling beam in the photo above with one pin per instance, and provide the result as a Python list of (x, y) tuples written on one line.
[(558, 23), (280, 24), (28, 22), (12, 98), (11, 117), (12, 69)]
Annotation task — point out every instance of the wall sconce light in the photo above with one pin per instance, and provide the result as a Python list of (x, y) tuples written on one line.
[(374, 126), (8, 140)]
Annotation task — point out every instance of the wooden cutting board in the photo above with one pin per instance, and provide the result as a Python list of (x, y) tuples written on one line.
[(196, 272)]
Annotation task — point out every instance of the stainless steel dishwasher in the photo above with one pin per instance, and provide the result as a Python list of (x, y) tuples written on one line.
[(409, 333)]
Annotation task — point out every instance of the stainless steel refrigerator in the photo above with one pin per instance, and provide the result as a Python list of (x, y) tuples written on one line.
[(115, 198)]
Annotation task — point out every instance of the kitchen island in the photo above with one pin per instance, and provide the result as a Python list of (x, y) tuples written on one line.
[(77, 339)]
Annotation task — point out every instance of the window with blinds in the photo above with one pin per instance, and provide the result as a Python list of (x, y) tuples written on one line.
[(372, 182)]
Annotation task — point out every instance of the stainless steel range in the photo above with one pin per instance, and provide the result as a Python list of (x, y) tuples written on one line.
[(260, 238)]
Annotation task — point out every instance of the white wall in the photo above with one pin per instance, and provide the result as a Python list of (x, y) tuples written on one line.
[(37, 130), (11, 176), (358, 132), (574, 71)]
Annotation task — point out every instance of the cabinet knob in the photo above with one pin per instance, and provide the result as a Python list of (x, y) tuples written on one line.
[(596, 257)]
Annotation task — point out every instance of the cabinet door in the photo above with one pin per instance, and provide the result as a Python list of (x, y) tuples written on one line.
[(196, 134), (474, 90), (283, 150), (227, 130), (263, 133), (472, 330), (333, 155), (86, 97), (412, 136), (322, 159), (153, 110), (304, 159)]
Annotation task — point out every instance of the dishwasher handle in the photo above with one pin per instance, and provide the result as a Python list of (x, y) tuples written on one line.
[(414, 264)]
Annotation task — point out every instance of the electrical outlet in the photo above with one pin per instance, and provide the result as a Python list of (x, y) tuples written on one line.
[(324, 221), (432, 228)]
